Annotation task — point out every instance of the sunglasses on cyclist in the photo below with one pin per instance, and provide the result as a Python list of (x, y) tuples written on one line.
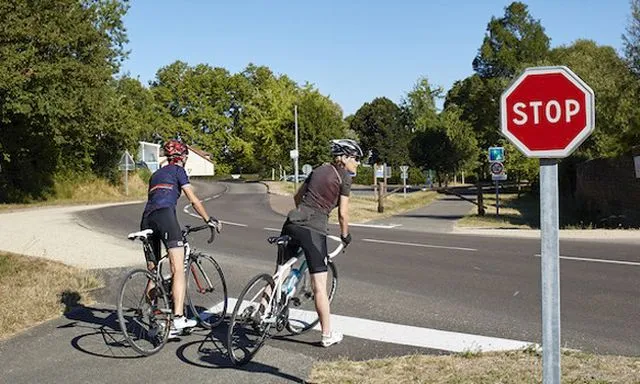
[(356, 158)]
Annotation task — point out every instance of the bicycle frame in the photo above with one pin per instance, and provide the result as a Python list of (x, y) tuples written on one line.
[(282, 271)]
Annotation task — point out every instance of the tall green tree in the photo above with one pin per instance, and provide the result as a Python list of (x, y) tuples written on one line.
[(616, 89), (447, 146), (383, 130), (57, 59), (631, 39), (420, 104), (511, 40)]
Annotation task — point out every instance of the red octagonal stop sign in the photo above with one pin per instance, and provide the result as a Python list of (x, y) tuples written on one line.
[(547, 112)]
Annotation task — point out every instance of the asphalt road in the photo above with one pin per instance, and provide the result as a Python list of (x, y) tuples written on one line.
[(471, 284)]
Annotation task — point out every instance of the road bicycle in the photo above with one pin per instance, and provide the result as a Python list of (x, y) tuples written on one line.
[(270, 303), (145, 303)]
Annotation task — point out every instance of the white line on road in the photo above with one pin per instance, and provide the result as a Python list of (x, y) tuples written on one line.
[(272, 229), (418, 245), (597, 260), (383, 226), (409, 335)]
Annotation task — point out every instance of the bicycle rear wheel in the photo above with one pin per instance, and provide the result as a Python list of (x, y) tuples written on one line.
[(144, 314), (206, 290), (302, 309), (247, 330)]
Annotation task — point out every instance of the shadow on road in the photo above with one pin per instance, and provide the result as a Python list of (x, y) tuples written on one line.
[(103, 337), (211, 352)]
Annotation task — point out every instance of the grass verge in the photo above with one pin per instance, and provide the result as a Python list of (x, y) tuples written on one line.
[(35, 290), (365, 208), (515, 367), (515, 212), (89, 190)]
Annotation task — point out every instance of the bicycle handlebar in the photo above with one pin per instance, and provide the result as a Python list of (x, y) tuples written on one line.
[(189, 229), (339, 248)]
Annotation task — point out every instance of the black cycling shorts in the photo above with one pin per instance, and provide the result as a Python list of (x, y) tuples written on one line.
[(164, 224), (313, 243)]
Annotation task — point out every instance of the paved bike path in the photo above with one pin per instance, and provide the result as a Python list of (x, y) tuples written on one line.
[(85, 347)]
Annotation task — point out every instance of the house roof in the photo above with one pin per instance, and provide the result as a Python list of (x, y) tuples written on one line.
[(205, 155)]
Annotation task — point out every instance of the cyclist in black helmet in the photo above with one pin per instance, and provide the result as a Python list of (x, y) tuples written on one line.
[(327, 187)]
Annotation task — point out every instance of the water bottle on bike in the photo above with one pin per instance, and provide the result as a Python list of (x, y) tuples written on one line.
[(290, 284)]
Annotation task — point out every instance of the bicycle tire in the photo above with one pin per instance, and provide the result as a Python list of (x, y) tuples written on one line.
[(206, 290), (243, 325), (144, 322), (302, 310)]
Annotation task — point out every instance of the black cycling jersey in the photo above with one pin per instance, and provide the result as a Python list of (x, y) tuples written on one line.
[(324, 186), (307, 224)]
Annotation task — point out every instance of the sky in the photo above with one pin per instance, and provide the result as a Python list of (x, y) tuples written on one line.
[(352, 51)]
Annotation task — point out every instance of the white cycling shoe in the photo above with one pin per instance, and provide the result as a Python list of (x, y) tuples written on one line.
[(331, 339), (179, 324)]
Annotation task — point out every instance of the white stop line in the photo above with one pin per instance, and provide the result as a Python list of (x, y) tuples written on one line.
[(409, 335)]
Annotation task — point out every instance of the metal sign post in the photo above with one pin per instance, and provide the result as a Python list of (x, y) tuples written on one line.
[(295, 112), (404, 169), (550, 269)]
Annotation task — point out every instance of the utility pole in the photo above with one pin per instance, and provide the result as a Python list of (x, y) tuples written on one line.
[(295, 161)]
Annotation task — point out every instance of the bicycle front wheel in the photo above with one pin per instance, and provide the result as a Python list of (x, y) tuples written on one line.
[(206, 290), (302, 309), (247, 328), (144, 314)]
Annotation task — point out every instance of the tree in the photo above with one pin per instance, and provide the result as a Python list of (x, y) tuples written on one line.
[(617, 91), (56, 63), (511, 40), (420, 104), (631, 40), (383, 131), (446, 147)]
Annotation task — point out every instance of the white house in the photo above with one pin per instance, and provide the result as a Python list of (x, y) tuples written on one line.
[(199, 163)]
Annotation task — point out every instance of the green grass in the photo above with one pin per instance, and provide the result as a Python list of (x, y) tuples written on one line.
[(35, 290), (515, 367), (514, 212)]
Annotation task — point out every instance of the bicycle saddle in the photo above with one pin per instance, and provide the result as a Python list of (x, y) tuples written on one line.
[(140, 235)]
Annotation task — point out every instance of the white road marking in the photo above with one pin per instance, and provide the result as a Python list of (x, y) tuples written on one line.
[(418, 245), (406, 334), (383, 226), (621, 262), (272, 229)]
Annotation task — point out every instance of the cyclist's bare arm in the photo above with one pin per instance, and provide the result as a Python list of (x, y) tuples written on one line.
[(343, 215), (195, 202)]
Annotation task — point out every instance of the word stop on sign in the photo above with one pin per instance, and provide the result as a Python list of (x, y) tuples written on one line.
[(553, 111)]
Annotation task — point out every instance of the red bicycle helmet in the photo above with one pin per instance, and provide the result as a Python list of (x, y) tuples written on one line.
[(175, 151)]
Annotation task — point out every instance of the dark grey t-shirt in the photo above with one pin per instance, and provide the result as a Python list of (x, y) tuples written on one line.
[(324, 187)]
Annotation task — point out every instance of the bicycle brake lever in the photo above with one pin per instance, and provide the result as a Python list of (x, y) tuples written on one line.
[(213, 235)]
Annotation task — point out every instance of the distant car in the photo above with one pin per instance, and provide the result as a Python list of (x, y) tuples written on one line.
[(301, 178)]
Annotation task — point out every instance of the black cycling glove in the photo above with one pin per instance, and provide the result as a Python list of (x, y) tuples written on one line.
[(214, 223), (346, 239)]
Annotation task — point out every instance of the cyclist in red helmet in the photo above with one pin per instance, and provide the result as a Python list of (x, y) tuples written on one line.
[(165, 187)]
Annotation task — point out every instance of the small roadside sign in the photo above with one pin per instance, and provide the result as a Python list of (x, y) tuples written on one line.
[(496, 154), (306, 169), (293, 154), (404, 169), (497, 168), (379, 171), (499, 177), (126, 162)]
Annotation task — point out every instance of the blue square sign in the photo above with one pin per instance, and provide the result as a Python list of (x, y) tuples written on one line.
[(496, 154)]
